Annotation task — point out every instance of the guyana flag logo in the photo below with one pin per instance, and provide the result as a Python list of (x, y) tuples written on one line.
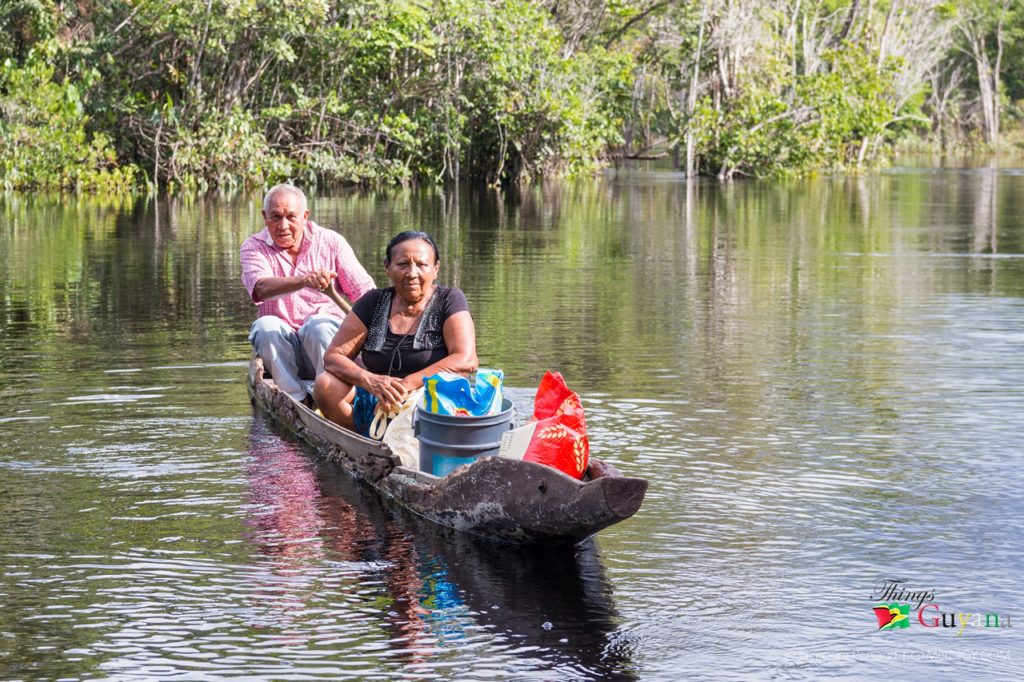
[(893, 616)]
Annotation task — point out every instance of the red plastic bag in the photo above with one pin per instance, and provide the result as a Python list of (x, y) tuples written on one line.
[(560, 437)]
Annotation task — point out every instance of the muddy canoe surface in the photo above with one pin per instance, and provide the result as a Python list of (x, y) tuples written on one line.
[(497, 498)]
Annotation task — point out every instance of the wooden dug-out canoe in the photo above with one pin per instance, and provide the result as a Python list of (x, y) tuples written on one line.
[(494, 497)]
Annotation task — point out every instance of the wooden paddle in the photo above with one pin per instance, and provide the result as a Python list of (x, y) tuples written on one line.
[(333, 294), (336, 297)]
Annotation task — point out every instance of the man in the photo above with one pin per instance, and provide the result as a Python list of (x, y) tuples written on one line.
[(287, 268)]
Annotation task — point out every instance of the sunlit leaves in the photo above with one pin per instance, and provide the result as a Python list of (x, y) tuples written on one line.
[(43, 138), (202, 93)]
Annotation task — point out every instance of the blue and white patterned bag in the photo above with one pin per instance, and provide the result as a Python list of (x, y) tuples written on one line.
[(454, 394)]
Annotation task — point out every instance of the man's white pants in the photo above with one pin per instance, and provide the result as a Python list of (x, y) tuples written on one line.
[(291, 355)]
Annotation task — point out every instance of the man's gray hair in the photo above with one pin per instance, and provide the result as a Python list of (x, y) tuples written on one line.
[(284, 187)]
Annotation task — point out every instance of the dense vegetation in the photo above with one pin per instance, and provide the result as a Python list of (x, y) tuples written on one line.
[(218, 93)]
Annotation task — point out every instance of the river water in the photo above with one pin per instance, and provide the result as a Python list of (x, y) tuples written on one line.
[(823, 381)]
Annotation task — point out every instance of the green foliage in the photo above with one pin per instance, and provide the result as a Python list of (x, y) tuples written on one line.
[(224, 93), (43, 138), (225, 150), (782, 126), (23, 23), (852, 102), (538, 111), (205, 93)]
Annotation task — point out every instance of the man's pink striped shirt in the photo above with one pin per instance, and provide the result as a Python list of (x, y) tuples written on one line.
[(321, 248)]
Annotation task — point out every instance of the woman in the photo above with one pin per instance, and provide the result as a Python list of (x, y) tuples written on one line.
[(408, 331)]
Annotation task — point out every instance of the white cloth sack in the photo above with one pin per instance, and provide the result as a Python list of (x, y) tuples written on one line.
[(398, 434)]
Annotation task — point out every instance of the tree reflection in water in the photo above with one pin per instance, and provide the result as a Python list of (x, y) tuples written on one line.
[(545, 608)]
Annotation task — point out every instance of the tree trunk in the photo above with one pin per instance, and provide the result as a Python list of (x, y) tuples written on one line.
[(985, 81), (851, 16), (995, 76), (863, 150), (791, 32), (988, 73), (691, 100), (882, 51)]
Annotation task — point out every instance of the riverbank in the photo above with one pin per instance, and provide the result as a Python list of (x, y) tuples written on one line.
[(200, 95)]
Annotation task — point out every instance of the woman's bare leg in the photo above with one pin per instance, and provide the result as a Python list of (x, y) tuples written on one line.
[(334, 398)]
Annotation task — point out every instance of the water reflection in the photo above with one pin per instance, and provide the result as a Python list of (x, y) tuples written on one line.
[(821, 379), (557, 602), (443, 592), (284, 521)]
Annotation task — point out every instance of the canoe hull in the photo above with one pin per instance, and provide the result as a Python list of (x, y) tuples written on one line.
[(496, 498)]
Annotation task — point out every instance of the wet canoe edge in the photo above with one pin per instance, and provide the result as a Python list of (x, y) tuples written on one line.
[(495, 498)]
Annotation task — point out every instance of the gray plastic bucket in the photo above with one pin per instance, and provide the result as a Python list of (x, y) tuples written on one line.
[(447, 441)]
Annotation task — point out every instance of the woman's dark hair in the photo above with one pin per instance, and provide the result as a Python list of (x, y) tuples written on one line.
[(406, 236)]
